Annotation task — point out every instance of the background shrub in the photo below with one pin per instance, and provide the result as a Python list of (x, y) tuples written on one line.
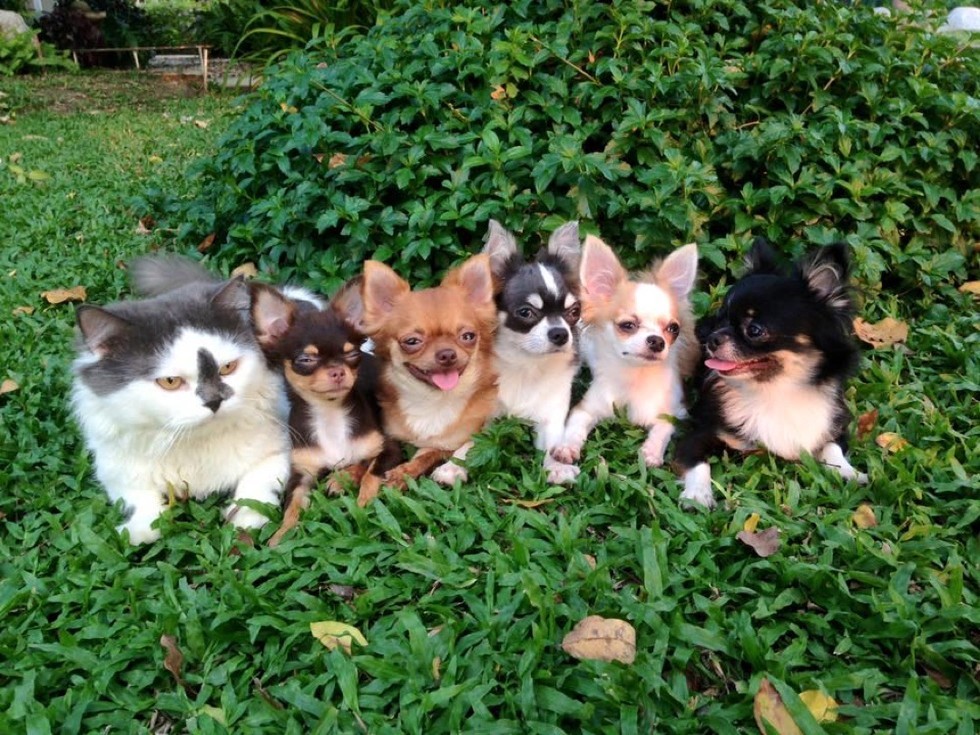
[(653, 124), (21, 53)]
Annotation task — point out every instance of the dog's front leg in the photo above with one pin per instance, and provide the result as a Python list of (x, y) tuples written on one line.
[(448, 472), (833, 456), (548, 435), (656, 442), (593, 408)]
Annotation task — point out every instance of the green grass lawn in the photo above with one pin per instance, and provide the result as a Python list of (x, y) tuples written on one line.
[(463, 595)]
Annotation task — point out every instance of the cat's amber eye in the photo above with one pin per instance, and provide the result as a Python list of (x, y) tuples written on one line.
[(228, 368), (170, 382)]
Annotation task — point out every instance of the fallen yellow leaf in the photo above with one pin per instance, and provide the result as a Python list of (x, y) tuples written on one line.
[(202, 124), (337, 159), (246, 271), (332, 633), (8, 386), (822, 707), (971, 287), (891, 441), (437, 668), (769, 709), (885, 333), (23, 310), (864, 516), (60, 295), (288, 108), (529, 503), (750, 523), (498, 93), (154, 159), (601, 639)]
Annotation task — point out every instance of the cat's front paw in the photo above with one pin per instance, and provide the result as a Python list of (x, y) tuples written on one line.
[(448, 472), (243, 517), (140, 532)]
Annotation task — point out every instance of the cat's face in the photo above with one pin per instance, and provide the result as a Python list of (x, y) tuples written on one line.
[(171, 364)]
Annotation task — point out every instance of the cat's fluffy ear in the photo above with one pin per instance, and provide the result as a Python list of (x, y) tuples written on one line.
[(272, 314), (233, 296), (99, 327), (349, 304)]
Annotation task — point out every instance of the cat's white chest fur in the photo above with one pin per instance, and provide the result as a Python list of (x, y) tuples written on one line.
[(786, 418)]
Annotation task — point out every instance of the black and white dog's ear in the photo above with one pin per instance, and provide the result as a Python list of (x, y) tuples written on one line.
[(761, 258), (826, 272), (500, 246), (564, 244)]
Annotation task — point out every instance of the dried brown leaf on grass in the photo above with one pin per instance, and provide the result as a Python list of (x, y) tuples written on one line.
[(601, 639), (891, 441), (887, 332), (174, 660), (769, 709), (864, 516), (866, 423), (246, 271), (332, 634), (61, 295), (9, 385), (764, 543)]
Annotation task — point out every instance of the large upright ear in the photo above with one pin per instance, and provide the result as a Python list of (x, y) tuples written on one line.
[(99, 327), (348, 304), (474, 277), (761, 258), (381, 288), (233, 296), (679, 271), (564, 245), (272, 314), (600, 270), (500, 247), (826, 272)]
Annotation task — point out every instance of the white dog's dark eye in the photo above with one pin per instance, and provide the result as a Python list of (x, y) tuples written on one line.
[(673, 329), (572, 313), (626, 327), (525, 312), (755, 331)]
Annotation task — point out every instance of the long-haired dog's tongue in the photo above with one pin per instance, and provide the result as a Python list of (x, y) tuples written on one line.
[(446, 381), (720, 365)]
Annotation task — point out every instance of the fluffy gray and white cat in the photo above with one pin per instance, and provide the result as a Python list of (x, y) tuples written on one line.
[(174, 396)]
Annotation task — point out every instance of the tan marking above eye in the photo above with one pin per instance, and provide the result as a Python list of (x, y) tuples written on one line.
[(170, 382), (228, 368), (348, 347), (311, 350)]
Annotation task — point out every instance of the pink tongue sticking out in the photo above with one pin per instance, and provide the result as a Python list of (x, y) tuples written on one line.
[(446, 381), (720, 365)]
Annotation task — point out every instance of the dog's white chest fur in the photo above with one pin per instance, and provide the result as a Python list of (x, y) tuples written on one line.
[(427, 414), (332, 434), (787, 419), (534, 387)]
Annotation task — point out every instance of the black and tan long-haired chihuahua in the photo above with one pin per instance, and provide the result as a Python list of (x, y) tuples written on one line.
[(778, 354), (334, 417)]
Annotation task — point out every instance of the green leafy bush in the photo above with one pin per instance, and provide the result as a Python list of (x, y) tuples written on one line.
[(21, 53), (655, 124)]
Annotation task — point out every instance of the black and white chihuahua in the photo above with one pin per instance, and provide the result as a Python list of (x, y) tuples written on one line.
[(536, 343), (778, 354)]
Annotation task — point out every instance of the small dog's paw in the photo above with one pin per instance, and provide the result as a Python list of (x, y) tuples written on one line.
[(653, 452), (703, 498), (448, 472), (862, 478), (242, 517), (560, 473), (140, 531), (565, 454), (338, 483), (697, 487)]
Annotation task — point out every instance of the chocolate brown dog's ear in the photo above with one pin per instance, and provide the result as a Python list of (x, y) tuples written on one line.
[(348, 304), (272, 314), (381, 289)]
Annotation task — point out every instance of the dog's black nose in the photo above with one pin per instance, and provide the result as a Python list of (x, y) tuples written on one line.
[(716, 339), (446, 358), (558, 336), (656, 343)]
